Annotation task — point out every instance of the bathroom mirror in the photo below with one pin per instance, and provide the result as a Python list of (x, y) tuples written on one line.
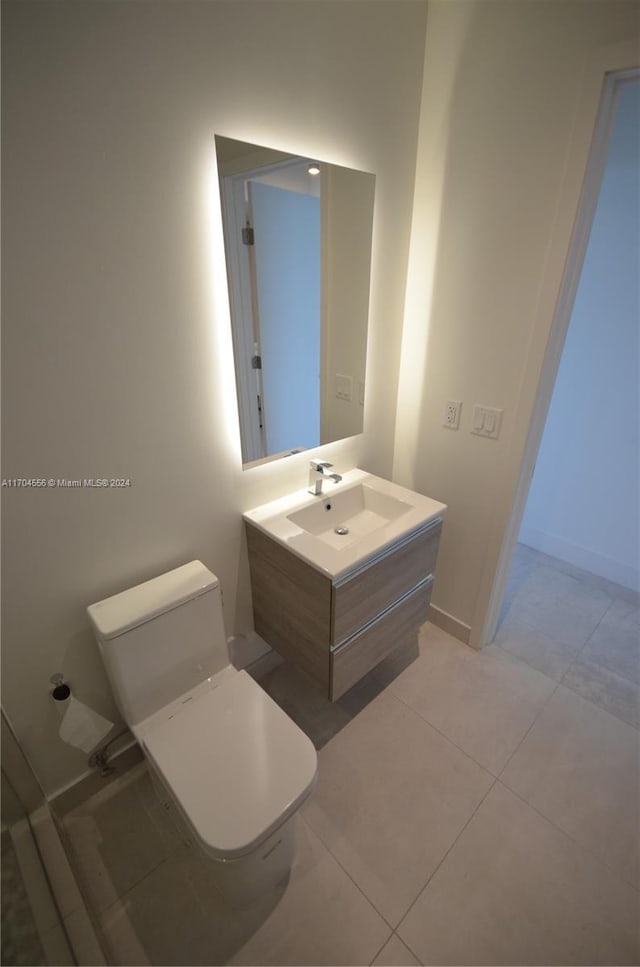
[(297, 235)]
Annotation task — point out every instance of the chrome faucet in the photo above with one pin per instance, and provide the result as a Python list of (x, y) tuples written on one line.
[(318, 473)]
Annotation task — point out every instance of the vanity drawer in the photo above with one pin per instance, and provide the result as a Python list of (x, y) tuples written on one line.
[(365, 650), (360, 598)]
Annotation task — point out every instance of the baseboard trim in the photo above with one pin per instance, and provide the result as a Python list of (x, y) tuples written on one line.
[(90, 782), (266, 663), (582, 557), (453, 626), (246, 649)]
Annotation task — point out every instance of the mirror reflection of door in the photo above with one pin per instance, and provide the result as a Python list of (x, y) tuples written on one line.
[(298, 296), (272, 236), (286, 237)]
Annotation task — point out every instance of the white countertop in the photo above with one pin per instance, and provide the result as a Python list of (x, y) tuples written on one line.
[(273, 520)]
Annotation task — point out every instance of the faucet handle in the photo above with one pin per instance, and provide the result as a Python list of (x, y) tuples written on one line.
[(320, 465)]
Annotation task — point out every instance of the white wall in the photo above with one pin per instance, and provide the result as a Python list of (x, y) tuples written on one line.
[(117, 357), (347, 208), (583, 502), (497, 188)]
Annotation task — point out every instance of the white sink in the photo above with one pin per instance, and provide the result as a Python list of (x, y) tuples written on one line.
[(349, 515), (348, 524)]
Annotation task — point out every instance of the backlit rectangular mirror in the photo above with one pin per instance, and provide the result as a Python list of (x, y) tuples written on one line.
[(297, 235)]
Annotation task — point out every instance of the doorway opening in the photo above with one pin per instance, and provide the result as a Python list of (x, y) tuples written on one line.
[(572, 605)]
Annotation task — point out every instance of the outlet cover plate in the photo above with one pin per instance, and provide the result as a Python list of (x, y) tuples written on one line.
[(451, 415)]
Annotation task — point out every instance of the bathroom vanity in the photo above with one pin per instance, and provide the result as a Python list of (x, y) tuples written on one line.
[(340, 580)]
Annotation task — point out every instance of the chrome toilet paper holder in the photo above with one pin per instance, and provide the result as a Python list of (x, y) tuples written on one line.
[(61, 691)]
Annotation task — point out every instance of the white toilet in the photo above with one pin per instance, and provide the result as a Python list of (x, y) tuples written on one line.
[(224, 757)]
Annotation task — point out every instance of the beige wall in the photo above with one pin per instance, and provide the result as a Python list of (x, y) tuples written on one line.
[(347, 206), (116, 348), (502, 148)]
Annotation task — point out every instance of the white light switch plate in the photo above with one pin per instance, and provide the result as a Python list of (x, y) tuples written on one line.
[(487, 421), (343, 387)]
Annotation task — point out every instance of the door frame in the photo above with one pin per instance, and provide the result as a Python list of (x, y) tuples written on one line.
[(235, 176), (245, 323), (609, 67), (239, 272)]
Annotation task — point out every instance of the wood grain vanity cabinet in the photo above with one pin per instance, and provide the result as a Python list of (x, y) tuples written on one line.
[(338, 630)]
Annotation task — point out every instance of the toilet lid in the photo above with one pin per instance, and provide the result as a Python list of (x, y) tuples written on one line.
[(237, 765)]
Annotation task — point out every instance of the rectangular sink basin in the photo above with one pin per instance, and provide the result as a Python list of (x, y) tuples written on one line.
[(349, 515), (349, 524)]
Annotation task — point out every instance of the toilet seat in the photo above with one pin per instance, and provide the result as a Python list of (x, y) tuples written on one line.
[(237, 766)]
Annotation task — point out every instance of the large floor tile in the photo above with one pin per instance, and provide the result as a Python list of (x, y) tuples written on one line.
[(587, 578), (579, 766), (307, 703), (484, 701), (176, 916), (516, 890), (160, 920), (523, 564), (395, 954), (560, 605), (616, 694), (322, 917), (538, 649), (118, 836), (615, 644), (392, 796)]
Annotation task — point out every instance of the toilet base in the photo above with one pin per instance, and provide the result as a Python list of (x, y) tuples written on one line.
[(240, 881), (246, 879)]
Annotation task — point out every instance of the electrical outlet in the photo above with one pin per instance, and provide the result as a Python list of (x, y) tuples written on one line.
[(451, 417)]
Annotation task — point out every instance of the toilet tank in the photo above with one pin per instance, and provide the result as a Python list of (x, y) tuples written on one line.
[(161, 638)]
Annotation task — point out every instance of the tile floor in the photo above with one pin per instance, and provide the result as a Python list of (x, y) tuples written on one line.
[(471, 808)]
